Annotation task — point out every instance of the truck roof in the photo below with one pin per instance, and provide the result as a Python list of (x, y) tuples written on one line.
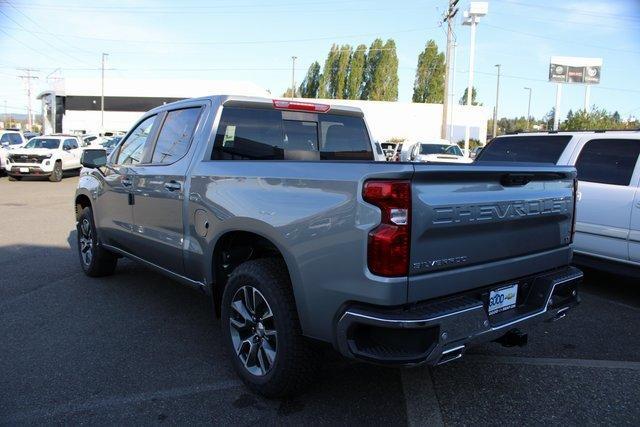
[(261, 102)]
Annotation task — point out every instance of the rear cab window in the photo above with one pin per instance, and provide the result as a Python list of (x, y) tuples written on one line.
[(247, 133), (525, 148)]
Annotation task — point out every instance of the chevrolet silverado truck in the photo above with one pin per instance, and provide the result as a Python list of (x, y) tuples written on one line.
[(278, 212)]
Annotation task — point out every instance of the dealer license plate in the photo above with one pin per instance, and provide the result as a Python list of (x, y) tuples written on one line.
[(503, 299), (24, 170)]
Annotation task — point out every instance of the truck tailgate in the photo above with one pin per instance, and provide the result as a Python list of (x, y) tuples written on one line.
[(474, 225)]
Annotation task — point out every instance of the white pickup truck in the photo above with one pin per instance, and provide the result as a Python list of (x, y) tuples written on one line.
[(608, 200), (46, 156)]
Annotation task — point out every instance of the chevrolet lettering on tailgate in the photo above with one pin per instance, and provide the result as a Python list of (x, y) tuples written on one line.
[(501, 210)]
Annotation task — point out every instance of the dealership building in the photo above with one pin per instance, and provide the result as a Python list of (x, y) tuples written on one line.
[(73, 106)]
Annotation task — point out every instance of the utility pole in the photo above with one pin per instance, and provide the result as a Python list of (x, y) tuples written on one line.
[(472, 17), (453, 91), (528, 108), (293, 76), (451, 13), (104, 57), (28, 77), (495, 110)]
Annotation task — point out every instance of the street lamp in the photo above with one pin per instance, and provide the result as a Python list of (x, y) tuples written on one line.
[(476, 10), (529, 107), (495, 111)]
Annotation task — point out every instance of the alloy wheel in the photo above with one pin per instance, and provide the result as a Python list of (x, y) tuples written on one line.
[(253, 331), (86, 241)]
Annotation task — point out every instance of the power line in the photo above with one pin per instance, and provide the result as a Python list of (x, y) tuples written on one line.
[(40, 38), (573, 11), (28, 46), (561, 40), (215, 43), (46, 31)]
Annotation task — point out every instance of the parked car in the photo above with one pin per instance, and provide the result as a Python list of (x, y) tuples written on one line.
[(29, 135), (92, 141), (475, 151), (46, 156), (439, 150), (608, 214), (9, 139), (109, 144), (393, 263)]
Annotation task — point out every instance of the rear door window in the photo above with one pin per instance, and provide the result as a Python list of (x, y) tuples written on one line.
[(265, 134), (525, 148), (175, 135), (608, 161)]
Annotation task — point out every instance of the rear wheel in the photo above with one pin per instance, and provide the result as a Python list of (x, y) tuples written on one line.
[(94, 259), (56, 174), (262, 330)]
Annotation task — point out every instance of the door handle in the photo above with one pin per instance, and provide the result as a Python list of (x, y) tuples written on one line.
[(126, 182), (173, 186)]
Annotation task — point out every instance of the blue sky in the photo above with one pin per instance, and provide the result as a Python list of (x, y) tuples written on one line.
[(254, 40)]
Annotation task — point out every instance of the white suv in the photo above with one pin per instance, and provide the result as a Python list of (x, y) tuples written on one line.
[(9, 139), (608, 215), (47, 155)]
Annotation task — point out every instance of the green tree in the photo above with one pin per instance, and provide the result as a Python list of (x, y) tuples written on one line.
[(548, 118), (311, 83), (597, 118), (381, 81), (325, 89), (474, 93), (356, 73), (570, 114), (616, 117), (429, 82), (341, 71)]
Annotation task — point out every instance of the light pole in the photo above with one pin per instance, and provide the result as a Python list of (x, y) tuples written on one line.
[(293, 76), (495, 110), (476, 10), (453, 92), (528, 107), (104, 57)]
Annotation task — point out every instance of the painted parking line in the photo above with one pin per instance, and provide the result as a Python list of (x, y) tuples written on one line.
[(97, 404), (543, 361), (420, 398)]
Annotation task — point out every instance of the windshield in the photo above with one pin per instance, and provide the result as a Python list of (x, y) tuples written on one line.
[(48, 143), (440, 149), (531, 148)]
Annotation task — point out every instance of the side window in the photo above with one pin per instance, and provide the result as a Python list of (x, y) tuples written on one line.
[(249, 134), (175, 135), (15, 138), (70, 144), (132, 150), (608, 161)]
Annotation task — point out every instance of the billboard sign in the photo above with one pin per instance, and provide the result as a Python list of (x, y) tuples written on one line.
[(569, 69)]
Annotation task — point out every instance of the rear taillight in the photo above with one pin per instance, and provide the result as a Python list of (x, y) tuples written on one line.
[(575, 206), (388, 246), (282, 104)]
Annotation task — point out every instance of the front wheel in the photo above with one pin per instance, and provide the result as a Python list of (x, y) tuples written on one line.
[(94, 259), (262, 330), (56, 174)]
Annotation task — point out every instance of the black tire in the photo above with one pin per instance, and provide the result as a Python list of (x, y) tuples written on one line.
[(56, 174), (14, 178), (294, 361), (94, 259)]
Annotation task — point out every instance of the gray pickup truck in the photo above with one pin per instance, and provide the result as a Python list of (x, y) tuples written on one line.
[(277, 211)]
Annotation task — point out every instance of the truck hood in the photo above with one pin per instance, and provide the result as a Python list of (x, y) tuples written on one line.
[(443, 158)]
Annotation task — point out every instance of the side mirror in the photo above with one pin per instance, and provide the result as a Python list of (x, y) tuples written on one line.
[(94, 158)]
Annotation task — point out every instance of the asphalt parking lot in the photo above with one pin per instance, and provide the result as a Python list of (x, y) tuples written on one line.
[(137, 348)]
